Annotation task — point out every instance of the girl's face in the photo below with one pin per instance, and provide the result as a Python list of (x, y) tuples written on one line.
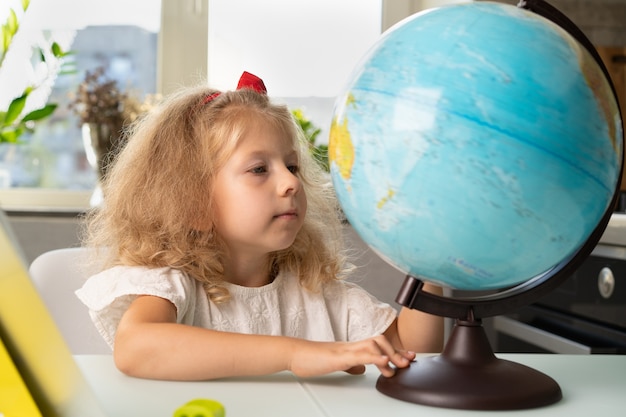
[(259, 200)]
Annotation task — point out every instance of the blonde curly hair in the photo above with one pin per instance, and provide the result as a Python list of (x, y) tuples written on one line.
[(158, 191)]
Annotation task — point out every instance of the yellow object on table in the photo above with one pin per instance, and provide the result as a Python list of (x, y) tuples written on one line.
[(201, 408)]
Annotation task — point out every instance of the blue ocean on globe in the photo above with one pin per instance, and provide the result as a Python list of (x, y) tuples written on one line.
[(476, 146)]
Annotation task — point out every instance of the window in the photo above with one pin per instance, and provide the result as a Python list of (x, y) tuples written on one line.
[(117, 35), (304, 50)]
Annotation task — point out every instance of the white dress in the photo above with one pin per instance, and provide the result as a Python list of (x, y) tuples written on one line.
[(342, 311)]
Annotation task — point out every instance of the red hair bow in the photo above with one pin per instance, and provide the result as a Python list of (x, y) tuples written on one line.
[(246, 80)]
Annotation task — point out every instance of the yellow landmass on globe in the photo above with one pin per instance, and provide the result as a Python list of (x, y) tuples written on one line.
[(340, 147), (385, 199)]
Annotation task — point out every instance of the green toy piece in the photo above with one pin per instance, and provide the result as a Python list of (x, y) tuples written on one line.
[(201, 408)]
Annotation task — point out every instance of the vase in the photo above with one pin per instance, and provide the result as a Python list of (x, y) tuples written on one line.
[(95, 139), (101, 145)]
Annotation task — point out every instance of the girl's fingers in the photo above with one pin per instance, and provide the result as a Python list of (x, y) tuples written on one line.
[(400, 358), (407, 354), (400, 361), (386, 369), (380, 352)]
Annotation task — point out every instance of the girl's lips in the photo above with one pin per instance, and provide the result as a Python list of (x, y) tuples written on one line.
[(287, 214)]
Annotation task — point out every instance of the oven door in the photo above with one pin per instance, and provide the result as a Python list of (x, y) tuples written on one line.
[(535, 329)]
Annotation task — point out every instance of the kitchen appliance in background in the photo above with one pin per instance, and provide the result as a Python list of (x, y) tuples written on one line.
[(585, 315)]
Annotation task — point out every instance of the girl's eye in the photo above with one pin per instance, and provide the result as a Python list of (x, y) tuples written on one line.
[(259, 170), (293, 169)]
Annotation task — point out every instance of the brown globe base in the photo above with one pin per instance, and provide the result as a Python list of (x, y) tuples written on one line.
[(467, 375)]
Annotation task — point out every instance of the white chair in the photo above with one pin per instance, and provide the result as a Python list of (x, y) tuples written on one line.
[(57, 274)]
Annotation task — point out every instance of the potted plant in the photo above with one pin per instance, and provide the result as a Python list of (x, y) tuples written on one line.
[(13, 122), (311, 132)]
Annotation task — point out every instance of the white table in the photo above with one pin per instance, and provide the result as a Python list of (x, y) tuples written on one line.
[(592, 385)]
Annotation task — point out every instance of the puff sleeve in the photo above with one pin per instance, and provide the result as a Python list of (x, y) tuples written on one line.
[(356, 314), (108, 294)]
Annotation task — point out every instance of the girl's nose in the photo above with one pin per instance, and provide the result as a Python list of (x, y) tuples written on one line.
[(289, 182)]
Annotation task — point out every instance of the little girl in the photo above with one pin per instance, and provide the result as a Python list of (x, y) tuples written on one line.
[(223, 252)]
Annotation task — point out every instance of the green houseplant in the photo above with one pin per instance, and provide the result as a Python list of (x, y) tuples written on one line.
[(311, 132), (13, 122)]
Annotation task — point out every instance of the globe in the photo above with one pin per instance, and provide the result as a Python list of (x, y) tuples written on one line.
[(478, 146)]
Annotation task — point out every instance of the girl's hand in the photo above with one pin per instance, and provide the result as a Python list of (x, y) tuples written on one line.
[(319, 358)]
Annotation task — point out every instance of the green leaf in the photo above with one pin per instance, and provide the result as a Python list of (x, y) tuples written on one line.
[(313, 135), (9, 135), (15, 108), (69, 70), (4, 43), (8, 31), (56, 50), (12, 23), (25, 4), (41, 113)]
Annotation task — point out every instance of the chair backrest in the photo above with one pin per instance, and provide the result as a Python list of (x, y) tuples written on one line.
[(56, 275)]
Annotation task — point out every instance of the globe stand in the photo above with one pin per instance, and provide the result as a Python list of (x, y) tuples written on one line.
[(467, 375)]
